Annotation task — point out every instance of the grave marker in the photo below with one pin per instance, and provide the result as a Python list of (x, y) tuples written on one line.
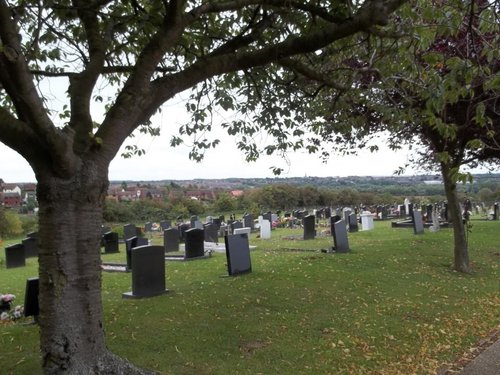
[(15, 256), (171, 240), (237, 254), (194, 243), (148, 272), (340, 240), (353, 223), (418, 225), (309, 227)]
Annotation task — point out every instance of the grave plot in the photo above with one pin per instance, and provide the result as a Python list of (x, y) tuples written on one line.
[(15, 256)]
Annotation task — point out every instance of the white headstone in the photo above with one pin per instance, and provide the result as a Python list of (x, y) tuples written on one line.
[(367, 220), (265, 230)]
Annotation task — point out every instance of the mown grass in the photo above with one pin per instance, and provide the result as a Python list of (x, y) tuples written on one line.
[(390, 306)]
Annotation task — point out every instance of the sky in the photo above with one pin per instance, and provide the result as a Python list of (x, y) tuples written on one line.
[(162, 162)]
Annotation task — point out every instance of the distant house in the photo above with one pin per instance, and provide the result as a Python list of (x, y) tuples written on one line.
[(204, 195), (12, 199)]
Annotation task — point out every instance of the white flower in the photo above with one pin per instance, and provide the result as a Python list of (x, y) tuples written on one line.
[(4, 316)]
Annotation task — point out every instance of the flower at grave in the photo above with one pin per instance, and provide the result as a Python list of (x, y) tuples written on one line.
[(4, 316), (18, 312), (7, 298)]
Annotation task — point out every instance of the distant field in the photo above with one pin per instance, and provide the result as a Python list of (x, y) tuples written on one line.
[(390, 306)]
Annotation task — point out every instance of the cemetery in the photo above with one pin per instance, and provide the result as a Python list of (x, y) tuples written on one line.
[(321, 296)]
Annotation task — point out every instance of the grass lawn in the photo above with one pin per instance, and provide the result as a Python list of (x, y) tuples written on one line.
[(390, 306)]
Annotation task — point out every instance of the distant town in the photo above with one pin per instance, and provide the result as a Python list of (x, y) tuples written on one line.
[(19, 194)]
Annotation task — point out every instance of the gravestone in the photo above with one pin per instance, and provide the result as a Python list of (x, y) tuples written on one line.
[(309, 227), (367, 220), (129, 231), (110, 242), (194, 243), (265, 230), (193, 221), (31, 298), (237, 254), (211, 233), (418, 225), (328, 213), (130, 243), (435, 222), (267, 216), (353, 223), (30, 247), (236, 225), (165, 224), (148, 227), (217, 222), (182, 231), (428, 212), (347, 212), (340, 240), (410, 210), (248, 221), (495, 211), (171, 239), (15, 256), (148, 272)]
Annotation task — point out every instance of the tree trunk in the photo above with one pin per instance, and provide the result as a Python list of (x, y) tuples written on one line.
[(461, 252), (71, 317)]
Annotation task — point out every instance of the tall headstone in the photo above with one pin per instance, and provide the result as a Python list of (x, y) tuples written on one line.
[(347, 212), (265, 230), (110, 242), (309, 227), (31, 298), (165, 224), (194, 243), (353, 223), (268, 216), (435, 222), (340, 240), (418, 225), (129, 231), (248, 221), (495, 211), (171, 239), (15, 256), (148, 227), (148, 272), (237, 254), (211, 233), (235, 225), (193, 220), (30, 247), (182, 231), (130, 243)]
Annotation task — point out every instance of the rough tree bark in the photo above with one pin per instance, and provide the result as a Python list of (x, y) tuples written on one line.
[(460, 248), (70, 274)]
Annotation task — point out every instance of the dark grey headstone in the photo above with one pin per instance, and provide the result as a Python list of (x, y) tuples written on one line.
[(309, 227), (15, 256), (129, 231), (211, 233), (193, 221), (165, 224), (182, 231), (418, 225), (328, 213), (268, 216), (171, 239), (353, 223), (194, 243), (110, 242), (31, 297), (130, 244), (495, 211), (148, 272), (30, 247), (217, 222), (346, 215), (340, 240), (148, 227), (237, 254), (248, 221), (236, 225)]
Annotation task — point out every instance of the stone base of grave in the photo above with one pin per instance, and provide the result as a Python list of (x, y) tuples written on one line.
[(114, 267), (409, 224), (130, 295), (183, 258)]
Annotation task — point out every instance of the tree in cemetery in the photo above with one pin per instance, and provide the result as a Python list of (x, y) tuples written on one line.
[(143, 53), (431, 82)]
